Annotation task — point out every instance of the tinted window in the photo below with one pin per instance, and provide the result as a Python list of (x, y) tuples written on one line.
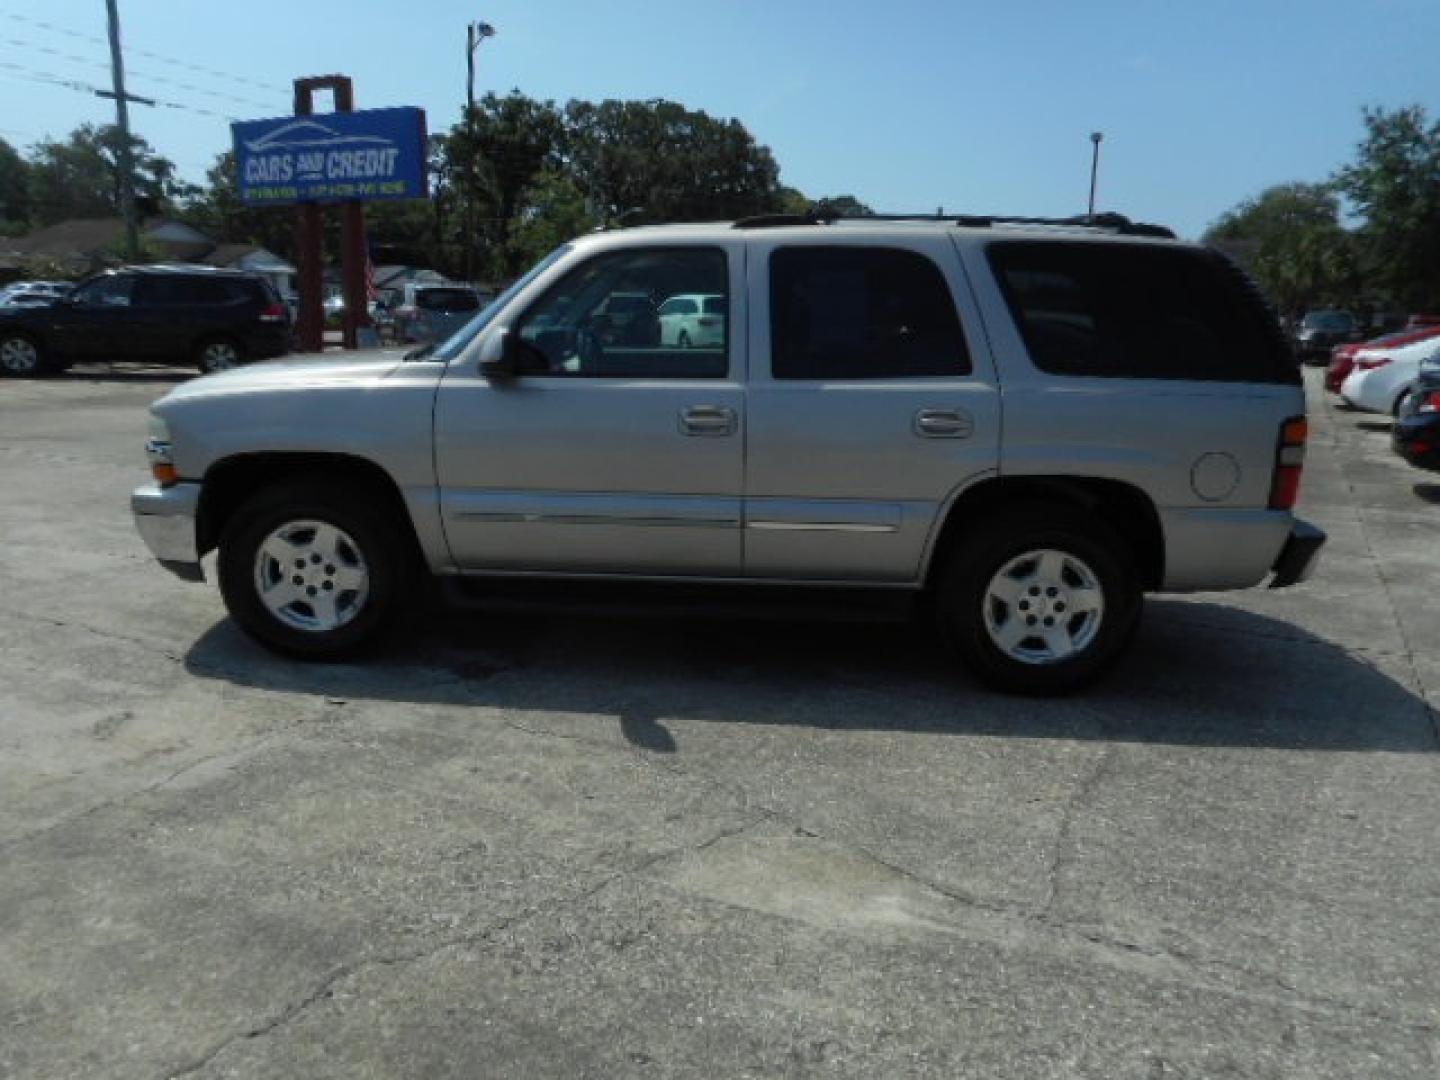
[(678, 306), (1328, 320), (602, 319), (112, 291), (716, 305), (862, 313), (447, 300), (1132, 311), (167, 290)]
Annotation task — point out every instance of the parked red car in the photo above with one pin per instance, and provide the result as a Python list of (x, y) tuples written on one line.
[(1342, 357)]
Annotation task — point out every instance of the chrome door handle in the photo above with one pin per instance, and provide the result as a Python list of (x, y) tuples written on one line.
[(707, 420), (944, 424)]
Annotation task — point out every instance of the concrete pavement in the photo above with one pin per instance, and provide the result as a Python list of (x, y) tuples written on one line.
[(563, 847)]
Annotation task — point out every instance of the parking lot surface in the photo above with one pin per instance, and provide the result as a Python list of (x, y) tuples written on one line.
[(543, 846)]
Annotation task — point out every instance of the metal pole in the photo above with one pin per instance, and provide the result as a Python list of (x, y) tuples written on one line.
[(1095, 137), (469, 66), (122, 120)]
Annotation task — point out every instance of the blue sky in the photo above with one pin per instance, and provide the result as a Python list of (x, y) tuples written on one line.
[(979, 107)]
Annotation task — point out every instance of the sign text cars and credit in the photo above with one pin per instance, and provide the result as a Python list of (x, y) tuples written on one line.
[(375, 154)]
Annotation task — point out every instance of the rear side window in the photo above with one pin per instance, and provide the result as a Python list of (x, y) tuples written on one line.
[(172, 290), (447, 300), (1140, 312), (862, 313)]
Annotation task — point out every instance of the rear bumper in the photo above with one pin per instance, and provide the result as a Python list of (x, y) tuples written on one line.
[(165, 519), (1416, 438)]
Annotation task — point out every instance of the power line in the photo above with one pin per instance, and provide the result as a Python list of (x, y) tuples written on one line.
[(148, 76), (161, 58), (29, 74)]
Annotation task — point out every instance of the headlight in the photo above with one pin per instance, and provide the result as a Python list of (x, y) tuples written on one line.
[(159, 450)]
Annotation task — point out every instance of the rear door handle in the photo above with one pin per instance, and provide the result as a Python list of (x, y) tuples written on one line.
[(944, 424), (707, 420)]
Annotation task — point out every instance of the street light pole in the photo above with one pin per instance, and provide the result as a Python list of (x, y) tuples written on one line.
[(475, 33), (1095, 137)]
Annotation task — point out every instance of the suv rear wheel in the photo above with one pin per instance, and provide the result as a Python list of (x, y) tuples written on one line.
[(218, 354), (1039, 600), (314, 571)]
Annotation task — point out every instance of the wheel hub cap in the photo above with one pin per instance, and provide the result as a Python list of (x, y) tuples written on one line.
[(311, 576), (1043, 607), (18, 356)]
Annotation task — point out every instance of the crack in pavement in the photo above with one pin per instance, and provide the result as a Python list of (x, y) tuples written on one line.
[(241, 752), (325, 987)]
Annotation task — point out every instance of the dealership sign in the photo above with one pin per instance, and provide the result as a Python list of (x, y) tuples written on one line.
[(373, 154)]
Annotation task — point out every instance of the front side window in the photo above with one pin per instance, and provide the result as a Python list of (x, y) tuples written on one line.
[(862, 313), (111, 291), (609, 318)]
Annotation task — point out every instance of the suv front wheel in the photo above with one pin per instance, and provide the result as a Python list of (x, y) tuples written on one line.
[(1039, 600), (314, 571)]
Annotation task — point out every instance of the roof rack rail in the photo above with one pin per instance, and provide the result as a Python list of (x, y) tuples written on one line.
[(1109, 222), (780, 221)]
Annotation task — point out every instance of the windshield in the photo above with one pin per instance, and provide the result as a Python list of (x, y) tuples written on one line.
[(456, 342)]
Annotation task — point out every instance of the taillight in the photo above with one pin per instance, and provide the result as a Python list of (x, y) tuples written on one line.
[(273, 313), (1289, 462), (1430, 402), (1370, 363)]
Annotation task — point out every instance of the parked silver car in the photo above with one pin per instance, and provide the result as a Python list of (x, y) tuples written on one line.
[(844, 431)]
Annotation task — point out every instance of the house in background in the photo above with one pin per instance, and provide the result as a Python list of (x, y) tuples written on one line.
[(84, 245), (255, 260)]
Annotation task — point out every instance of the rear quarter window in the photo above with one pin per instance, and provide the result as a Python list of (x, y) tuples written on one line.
[(1140, 312)]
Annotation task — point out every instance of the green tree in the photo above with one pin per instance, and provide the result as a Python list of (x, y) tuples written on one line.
[(14, 190), (1303, 256), (80, 177), (845, 205), (216, 210), (651, 161), (1394, 184), (493, 155), (553, 210)]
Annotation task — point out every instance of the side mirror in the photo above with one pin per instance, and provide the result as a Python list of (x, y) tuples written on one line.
[(499, 357)]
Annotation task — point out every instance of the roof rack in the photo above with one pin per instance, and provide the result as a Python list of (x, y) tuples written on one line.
[(1109, 222)]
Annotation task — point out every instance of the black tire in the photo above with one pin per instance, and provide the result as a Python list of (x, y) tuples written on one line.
[(979, 556), (22, 357), (218, 354), (382, 548)]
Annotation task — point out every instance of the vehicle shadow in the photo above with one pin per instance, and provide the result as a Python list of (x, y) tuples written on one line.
[(1374, 425), (1199, 674), (1427, 492)]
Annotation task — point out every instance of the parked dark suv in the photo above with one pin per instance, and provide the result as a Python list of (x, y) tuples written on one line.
[(214, 319)]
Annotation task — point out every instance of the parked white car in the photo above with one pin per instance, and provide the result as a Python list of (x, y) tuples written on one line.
[(693, 320), (1381, 377)]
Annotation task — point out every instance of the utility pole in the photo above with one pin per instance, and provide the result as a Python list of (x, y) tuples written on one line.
[(1095, 137), (122, 121)]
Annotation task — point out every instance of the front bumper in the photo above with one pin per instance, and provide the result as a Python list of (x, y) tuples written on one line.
[(165, 518), (1297, 559)]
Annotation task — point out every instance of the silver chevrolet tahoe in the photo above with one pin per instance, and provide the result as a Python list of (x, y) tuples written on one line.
[(1026, 425)]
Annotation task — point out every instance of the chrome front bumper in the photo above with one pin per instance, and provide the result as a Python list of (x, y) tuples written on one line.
[(165, 518)]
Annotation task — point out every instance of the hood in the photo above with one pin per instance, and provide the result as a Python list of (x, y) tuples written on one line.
[(316, 370)]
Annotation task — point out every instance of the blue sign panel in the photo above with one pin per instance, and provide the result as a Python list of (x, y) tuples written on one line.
[(373, 154)]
